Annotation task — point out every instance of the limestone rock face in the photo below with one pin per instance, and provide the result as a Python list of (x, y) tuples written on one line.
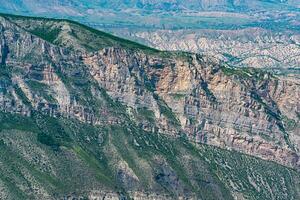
[(249, 112), (35, 67)]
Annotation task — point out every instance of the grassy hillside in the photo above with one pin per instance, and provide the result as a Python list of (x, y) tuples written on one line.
[(59, 157), (56, 31)]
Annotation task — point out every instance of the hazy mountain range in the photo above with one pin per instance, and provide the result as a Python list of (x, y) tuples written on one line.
[(155, 5), (159, 13)]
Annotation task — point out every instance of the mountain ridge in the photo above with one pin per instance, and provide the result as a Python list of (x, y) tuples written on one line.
[(160, 15), (170, 5)]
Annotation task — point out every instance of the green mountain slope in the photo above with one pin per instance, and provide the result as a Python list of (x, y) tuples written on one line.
[(72, 34), (60, 157)]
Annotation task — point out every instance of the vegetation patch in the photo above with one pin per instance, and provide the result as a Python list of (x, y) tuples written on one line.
[(12, 121), (289, 124), (51, 131), (42, 89), (166, 111), (22, 95), (245, 72), (48, 140), (146, 114), (178, 96), (49, 34), (93, 163), (208, 93)]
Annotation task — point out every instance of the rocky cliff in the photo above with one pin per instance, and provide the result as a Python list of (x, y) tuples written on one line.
[(209, 102), (135, 121), (243, 109)]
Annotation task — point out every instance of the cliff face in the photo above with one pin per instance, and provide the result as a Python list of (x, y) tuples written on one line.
[(209, 102), (243, 109), (128, 100)]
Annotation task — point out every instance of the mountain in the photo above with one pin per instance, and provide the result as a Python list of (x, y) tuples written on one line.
[(259, 33), (174, 14), (169, 5), (250, 47), (87, 115)]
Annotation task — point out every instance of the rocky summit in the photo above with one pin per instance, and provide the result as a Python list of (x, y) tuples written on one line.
[(87, 115)]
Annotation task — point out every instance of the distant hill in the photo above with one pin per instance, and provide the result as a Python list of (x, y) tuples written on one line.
[(170, 14), (150, 5)]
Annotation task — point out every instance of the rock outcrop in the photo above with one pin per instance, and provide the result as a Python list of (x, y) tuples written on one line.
[(249, 111)]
